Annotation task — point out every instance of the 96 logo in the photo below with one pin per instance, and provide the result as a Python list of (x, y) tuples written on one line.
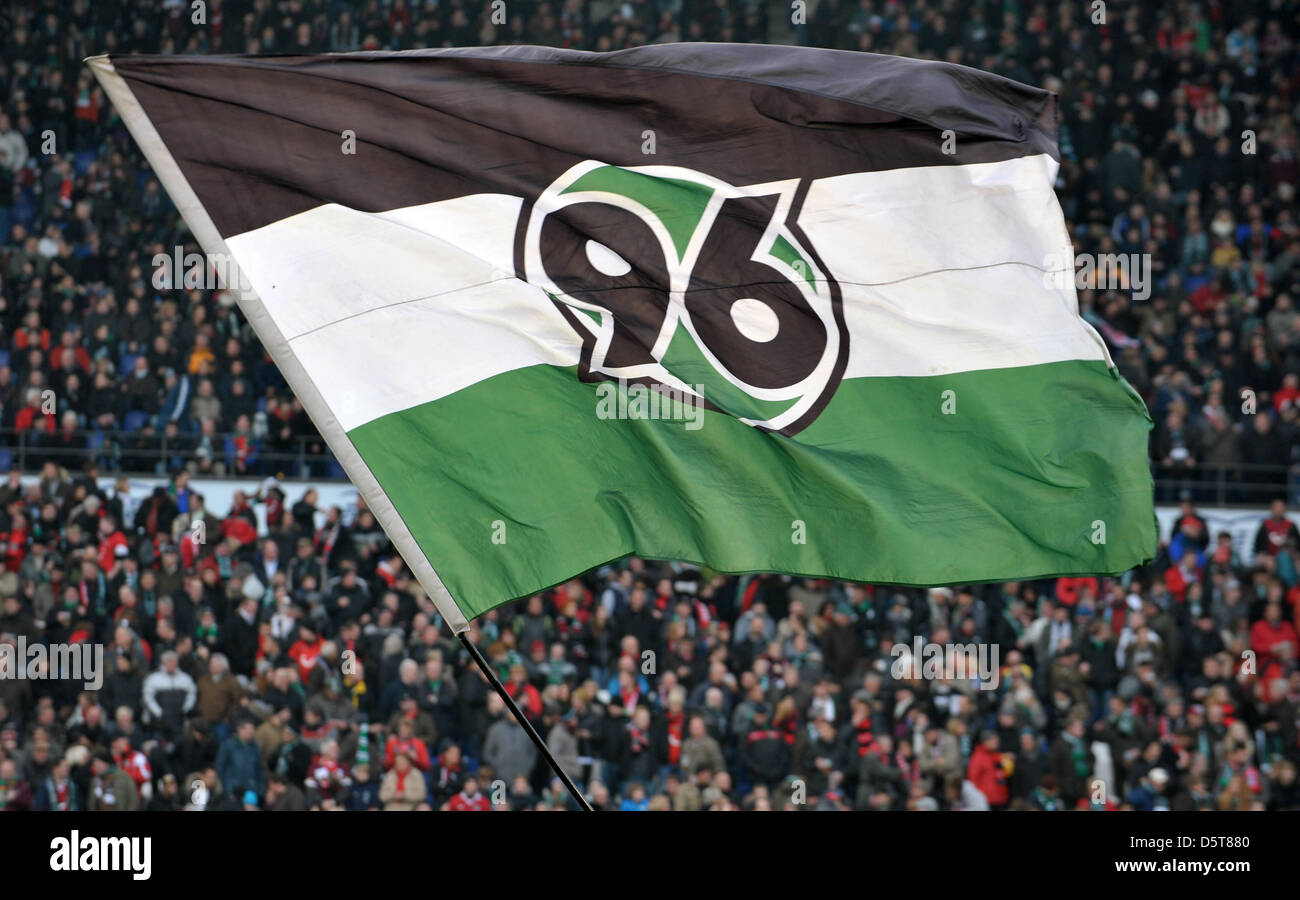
[(674, 278)]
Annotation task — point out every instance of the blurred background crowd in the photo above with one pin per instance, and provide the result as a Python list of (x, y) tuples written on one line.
[(1178, 154), (297, 664)]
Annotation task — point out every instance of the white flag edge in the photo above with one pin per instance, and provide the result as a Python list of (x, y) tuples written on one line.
[(210, 239)]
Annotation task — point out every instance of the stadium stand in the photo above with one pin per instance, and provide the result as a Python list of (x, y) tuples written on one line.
[(288, 661)]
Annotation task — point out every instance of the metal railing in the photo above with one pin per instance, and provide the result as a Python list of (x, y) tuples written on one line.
[(139, 453), (1240, 484)]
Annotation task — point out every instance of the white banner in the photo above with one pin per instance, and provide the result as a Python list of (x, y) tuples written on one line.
[(1240, 521), (219, 494)]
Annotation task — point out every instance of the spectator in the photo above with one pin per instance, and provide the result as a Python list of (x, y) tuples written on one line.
[(169, 695), (403, 787), (111, 788), (239, 763), (507, 749), (988, 770)]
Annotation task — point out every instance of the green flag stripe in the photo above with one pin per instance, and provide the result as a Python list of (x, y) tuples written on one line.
[(1034, 471)]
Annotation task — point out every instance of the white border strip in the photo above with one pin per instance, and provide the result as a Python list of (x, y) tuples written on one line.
[(201, 225)]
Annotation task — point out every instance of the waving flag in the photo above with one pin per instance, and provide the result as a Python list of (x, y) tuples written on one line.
[(762, 308)]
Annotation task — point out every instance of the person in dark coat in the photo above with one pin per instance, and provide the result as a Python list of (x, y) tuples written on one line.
[(239, 763), (764, 752), (240, 637)]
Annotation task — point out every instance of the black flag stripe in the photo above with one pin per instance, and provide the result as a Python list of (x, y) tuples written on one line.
[(436, 124)]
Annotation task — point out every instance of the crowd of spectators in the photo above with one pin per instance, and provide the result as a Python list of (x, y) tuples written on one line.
[(1178, 152), (305, 668), (1177, 138)]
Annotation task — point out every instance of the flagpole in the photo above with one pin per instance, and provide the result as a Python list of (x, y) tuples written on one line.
[(523, 720)]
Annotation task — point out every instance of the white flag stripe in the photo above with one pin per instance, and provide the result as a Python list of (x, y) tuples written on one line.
[(961, 321), (432, 317), (888, 226), (943, 269), (400, 356), (372, 260), (940, 269)]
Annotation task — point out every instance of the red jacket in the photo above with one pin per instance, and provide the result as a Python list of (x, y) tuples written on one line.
[(239, 528), (15, 548), (135, 764), (461, 803), (527, 697), (306, 656), (26, 418), (1284, 397), (189, 549), (1177, 582), (1068, 589), (986, 773), (108, 548), (1265, 637), (415, 747)]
